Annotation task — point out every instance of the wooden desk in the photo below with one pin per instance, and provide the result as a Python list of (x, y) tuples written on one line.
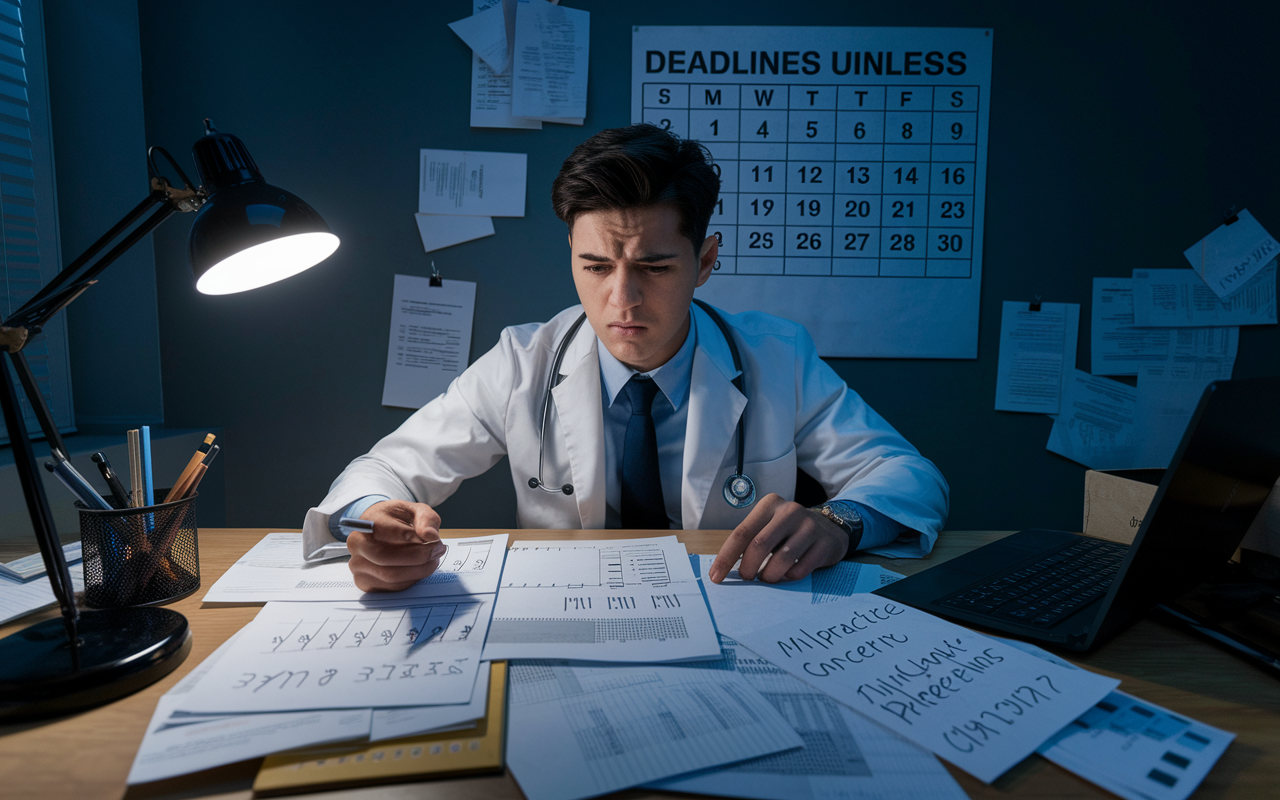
[(87, 756)]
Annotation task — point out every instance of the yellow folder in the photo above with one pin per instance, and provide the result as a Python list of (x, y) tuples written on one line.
[(475, 750)]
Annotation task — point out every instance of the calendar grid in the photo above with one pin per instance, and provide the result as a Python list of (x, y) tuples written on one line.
[(838, 180)]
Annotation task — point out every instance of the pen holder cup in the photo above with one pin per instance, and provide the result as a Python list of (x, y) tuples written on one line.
[(144, 556)]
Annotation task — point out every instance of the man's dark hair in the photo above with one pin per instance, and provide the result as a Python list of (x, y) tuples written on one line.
[(637, 166)]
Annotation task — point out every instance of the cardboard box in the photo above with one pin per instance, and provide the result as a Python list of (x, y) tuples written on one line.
[(1115, 502)]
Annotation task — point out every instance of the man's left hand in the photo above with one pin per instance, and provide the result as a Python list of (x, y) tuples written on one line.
[(795, 540)]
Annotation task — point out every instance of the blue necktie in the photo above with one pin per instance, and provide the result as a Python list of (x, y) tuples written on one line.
[(642, 503)]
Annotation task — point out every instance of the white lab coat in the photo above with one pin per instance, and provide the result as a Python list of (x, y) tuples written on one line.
[(799, 413)]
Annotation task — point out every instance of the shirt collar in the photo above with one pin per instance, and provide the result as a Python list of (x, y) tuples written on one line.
[(672, 377)]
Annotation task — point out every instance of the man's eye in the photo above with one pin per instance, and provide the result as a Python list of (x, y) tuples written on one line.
[(658, 269), (596, 269)]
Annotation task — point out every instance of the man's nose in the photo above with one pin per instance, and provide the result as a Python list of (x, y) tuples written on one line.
[(626, 289)]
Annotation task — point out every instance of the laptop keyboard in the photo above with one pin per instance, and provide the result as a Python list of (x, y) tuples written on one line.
[(1043, 592)]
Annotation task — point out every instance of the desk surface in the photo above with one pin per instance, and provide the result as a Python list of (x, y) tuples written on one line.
[(87, 756)]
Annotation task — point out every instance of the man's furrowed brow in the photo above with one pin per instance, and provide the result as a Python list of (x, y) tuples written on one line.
[(656, 257), (595, 258)]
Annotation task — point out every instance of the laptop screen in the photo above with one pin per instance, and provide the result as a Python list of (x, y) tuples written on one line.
[(1220, 476)]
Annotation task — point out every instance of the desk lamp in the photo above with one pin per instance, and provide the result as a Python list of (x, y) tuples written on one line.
[(246, 234)]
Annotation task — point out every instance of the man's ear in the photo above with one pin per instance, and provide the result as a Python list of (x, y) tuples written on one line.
[(707, 259)]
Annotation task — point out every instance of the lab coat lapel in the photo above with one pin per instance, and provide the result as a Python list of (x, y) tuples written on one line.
[(580, 421), (715, 405)]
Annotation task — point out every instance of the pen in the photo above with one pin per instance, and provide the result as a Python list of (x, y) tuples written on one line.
[(113, 481), (352, 524), (148, 498), (77, 485), (190, 468), (201, 469)]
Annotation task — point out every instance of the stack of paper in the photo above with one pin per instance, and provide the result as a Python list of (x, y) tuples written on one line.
[(344, 665), (459, 193), (528, 63)]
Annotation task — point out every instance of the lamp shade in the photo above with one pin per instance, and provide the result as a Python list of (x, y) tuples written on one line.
[(248, 233)]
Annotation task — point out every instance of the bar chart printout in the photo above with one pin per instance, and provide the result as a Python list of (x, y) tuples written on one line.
[(852, 164)]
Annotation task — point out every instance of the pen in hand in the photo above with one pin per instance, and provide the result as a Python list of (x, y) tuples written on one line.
[(113, 481)]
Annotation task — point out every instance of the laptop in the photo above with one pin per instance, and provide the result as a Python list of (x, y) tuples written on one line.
[(1073, 591)]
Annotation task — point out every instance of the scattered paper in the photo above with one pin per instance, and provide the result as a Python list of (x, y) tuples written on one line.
[(430, 341), (1120, 348), (181, 745), (445, 230), (1095, 427), (491, 92), (472, 183), (1166, 397), (306, 656), (975, 702), (1227, 258), (848, 578), (845, 755), (549, 67), (1173, 298), (1137, 749), (609, 600), (19, 599), (1037, 353), (32, 566), (1117, 346), (485, 33), (579, 731), (273, 569), (394, 723)]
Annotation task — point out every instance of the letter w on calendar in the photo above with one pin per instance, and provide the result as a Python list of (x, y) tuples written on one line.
[(977, 703)]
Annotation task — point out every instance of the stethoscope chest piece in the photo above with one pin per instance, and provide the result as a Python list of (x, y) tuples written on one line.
[(739, 491)]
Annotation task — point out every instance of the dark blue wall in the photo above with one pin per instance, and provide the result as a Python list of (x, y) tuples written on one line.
[(1118, 137)]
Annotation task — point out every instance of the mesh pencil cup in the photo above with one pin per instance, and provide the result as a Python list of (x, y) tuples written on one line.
[(144, 556)]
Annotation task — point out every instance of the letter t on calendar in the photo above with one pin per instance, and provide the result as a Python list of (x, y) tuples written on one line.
[(982, 705), (471, 183)]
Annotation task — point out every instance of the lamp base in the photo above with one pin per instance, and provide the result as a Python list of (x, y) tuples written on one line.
[(121, 650)]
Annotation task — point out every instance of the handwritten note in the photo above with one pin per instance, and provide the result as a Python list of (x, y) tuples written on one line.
[(1232, 254), (975, 702), (300, 656)]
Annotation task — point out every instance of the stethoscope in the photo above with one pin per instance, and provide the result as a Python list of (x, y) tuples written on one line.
[(739, 490)]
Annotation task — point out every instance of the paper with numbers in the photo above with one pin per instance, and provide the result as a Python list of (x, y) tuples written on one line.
[(980, 704), (633, 600), (853, 174), (302, 656), (1232, 254)]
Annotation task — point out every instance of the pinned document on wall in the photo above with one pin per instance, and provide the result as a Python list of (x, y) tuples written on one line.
[(1119, 347), (438, 231), (1096, 424), (1166, 398), (975, 702), (1037, 353), (430, 341), (1232, 254), (549, 62), (1179, 298), (471, 183)]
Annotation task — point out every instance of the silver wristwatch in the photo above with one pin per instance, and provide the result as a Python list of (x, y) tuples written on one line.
[(844, 514)]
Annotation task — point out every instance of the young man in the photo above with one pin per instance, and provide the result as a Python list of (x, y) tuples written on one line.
[(639, 425)]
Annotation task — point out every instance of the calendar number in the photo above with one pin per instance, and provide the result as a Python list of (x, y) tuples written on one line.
[(814, 207), (808, 241), (953, 209), (761, 208), (811, 129), (902, 241), (857, 208), (907, 176), (860, 131), (906, 130), (665, 124), (763, 130), (903, 210), (859, 174), (952, 243), (814, 174), (953, 175), (767, 172), (715, 127), (856, 241), (957, 130), (760, 241)]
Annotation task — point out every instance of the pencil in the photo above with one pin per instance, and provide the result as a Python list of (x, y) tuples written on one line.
[(189, 469), (136, 496), (201, 469)]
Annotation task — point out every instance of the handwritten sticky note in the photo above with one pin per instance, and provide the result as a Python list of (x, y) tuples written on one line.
[(978, 703), (1232, 254)]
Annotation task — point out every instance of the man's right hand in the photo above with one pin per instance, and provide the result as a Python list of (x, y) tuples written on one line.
[(403, 549)]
